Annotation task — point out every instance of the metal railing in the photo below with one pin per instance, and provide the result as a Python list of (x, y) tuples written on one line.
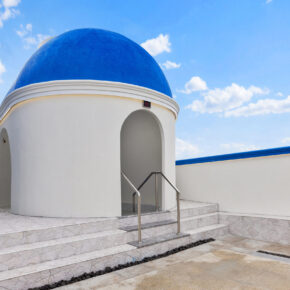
[(137, 191), (139, 204)]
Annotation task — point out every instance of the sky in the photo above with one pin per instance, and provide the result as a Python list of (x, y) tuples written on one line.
[(227, 62)]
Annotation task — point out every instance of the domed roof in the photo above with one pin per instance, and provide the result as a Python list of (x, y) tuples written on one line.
[(93, 54)]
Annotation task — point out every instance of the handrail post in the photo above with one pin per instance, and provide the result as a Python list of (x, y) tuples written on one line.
[(139, 205), (156, 198), (178, 212), (134, 203), (156, 193), (177, 202), (139, 219)]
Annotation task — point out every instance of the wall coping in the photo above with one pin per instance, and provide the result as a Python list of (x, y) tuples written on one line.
[(234, 156)]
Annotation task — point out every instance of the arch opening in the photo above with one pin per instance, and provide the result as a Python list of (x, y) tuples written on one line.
[(141, 153), (5, 171)]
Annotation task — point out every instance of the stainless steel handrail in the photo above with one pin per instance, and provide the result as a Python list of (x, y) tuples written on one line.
[(139, 204), (156, 199), (139, 187)]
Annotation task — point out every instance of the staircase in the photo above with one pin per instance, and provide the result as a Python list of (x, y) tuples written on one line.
[(43, 256)]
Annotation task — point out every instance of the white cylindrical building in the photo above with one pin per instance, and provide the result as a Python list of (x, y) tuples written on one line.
[(75, 117)]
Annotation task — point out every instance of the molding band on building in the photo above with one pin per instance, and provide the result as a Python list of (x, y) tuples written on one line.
[(234, 156), (83, 88)]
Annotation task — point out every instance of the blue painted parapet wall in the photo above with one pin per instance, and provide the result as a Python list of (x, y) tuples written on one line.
[(233, 156)]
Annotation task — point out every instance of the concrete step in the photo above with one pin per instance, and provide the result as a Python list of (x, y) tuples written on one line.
[(56, 232), (63, 269), (195, 209), (188, 209), (158, 239), (148, 225), (163, 227), (191, 223), (212, 231), (146, 218), (35, 253), (151, 229)]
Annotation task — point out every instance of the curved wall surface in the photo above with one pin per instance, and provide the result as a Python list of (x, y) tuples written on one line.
[(5, 170), (66, 147)]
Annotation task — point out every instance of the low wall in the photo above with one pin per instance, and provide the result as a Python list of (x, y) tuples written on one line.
[(256, 182), (258, 227)]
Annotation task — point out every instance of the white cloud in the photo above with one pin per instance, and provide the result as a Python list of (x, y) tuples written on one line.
[(286, 141), (279, 94), (222, 100), (2, 70), (262, 107), (29, 40), (24, 30), (185, 149), (194, 84), (7, 10), (237, 147), (157, 45), (268, 1), (170, 65), (11, 3)]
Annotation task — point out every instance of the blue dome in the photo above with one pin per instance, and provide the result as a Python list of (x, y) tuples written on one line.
[(93, 54)]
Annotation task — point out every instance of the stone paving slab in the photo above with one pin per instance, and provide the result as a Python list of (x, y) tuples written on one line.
[(226, 264)]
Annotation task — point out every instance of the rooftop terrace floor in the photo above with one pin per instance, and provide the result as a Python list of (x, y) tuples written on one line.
[(228, 263)]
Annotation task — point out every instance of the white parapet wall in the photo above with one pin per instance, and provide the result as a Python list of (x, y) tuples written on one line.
[(256, 182)]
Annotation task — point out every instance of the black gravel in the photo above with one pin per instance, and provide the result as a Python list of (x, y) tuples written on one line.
[(120, 266)]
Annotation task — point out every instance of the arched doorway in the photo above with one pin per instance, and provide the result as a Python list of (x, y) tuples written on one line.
[(141, 153), (5, 170)]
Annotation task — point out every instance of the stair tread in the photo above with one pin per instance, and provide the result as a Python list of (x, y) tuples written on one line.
[(148, 225), (199, 216), (185, 204), (206, 228), (5, 275), (196, 205), (158, 239), (39, 227), (160, 212), (58, 241)]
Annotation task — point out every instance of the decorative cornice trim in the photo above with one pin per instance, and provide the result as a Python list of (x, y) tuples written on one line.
[(86, 87), (234, 156)]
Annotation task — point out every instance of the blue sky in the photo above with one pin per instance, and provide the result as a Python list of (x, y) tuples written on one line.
[(227, 62)]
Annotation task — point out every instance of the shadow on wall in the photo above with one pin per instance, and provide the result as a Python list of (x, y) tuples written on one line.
[(5, 170)]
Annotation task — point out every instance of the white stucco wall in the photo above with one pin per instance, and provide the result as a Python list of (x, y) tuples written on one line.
[(254, 185), (66, 154), (5, 170)]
